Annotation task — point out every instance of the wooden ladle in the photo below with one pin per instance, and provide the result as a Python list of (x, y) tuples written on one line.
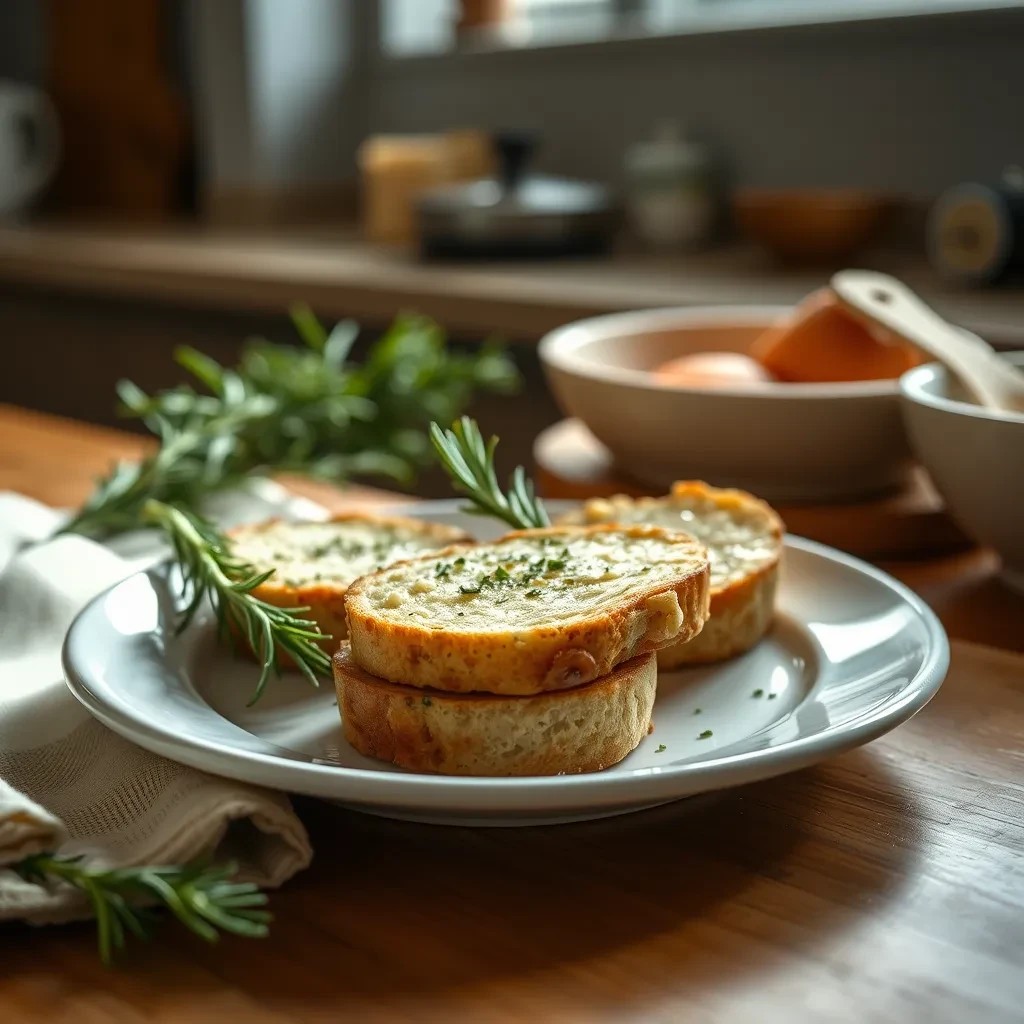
[(989, 379)]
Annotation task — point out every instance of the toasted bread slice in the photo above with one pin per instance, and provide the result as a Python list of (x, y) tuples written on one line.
[(315, 562), (744, 541), (536, 610), (580, 730)]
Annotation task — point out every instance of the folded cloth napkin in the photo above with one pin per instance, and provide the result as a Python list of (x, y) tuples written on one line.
[(69, 784)]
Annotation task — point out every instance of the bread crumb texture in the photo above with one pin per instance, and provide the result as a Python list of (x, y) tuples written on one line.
[(538, 610)]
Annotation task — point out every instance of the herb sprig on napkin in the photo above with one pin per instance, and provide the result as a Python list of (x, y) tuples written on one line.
[(201, 897)]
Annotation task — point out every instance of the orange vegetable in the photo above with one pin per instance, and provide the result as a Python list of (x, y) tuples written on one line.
[(824, 342)]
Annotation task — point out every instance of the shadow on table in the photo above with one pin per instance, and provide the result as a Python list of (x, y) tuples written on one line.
[(698, 894), (425, 908)]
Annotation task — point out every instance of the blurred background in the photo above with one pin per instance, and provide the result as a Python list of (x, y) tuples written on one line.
[(182, 171)]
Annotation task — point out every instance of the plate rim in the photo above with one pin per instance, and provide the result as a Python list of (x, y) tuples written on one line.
[(378, 787)]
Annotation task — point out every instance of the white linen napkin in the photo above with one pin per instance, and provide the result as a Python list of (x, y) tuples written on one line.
[(70, 785)]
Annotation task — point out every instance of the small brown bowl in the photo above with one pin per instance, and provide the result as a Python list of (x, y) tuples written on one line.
[(810, 226)]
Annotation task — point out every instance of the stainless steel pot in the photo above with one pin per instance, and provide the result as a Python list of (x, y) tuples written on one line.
[(515, 214)]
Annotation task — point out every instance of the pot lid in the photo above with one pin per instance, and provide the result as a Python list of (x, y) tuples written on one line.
[(514, 193)]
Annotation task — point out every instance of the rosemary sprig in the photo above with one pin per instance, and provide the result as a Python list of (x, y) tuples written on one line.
[(469, 462), (202, 897), (210, 570)]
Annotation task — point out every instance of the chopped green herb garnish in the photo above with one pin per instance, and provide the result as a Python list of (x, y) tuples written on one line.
[(706, 735), (502, 574), (459, 562), (555, 564), (758, 692), (442, 569), (345, 548), (696, 711), (469, 590), (533, 593), (772, 696), (659, 748)]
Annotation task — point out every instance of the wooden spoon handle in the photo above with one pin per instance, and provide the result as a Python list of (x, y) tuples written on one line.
[(989, 380)]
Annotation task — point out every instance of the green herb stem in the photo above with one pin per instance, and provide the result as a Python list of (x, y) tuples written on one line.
[(469, 462), (210, 570), (202, 897)]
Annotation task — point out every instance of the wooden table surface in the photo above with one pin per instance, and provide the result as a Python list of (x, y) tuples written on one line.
[(884, 885)]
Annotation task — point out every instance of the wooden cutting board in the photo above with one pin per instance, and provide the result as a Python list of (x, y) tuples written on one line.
[(911, 523)]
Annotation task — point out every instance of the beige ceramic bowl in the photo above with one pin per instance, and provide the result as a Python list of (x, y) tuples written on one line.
[(975, 457), (785, 442)]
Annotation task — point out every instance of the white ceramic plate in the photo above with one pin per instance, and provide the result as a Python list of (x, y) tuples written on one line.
[(853, 654)]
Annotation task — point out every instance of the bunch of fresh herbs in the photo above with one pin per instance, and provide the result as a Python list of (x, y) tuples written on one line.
[(305, 409)]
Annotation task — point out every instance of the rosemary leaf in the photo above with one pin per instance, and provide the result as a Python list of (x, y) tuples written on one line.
[(202, 897), (469, 462), (209, 570)]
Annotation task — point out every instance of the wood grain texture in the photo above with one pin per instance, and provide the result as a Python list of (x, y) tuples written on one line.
[(885, 885)]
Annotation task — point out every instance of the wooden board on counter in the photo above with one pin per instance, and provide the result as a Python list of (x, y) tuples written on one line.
[(572, 463)]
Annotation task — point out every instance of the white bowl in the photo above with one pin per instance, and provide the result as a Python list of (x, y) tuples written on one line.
[(785, 442), (976, 458)]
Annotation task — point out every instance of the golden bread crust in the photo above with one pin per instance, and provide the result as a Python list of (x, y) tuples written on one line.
[(734, 626), (584, 729), (742, 600), (559, 654), (325, 598)]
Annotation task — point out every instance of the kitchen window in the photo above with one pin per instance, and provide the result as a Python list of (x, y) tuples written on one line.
[(419, 27)]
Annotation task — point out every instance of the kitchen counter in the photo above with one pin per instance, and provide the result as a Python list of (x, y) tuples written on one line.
[(340, 275)]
